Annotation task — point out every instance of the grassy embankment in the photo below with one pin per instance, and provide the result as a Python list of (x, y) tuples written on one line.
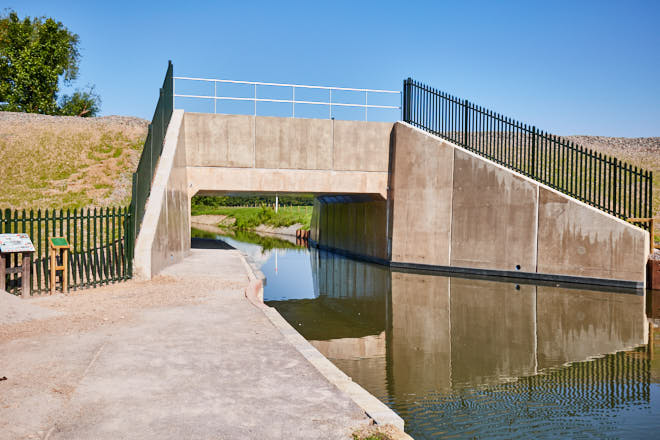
[(65, 162), (249, 218)]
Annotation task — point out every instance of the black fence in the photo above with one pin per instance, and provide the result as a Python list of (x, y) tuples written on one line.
[(153, 147), (601, 181), (100, 240)]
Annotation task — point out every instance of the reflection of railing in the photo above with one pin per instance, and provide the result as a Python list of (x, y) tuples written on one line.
[(293, 101)]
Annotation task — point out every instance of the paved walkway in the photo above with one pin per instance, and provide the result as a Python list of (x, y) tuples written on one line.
[(182, 357)]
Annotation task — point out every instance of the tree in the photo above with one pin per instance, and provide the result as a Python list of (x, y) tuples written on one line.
[(34, 55), (80, 103)]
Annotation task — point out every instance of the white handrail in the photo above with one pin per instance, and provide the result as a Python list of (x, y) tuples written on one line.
[(284, 85), (292, 101)]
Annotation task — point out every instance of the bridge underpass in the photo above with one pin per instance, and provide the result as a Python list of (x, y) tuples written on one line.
[(388, 192)]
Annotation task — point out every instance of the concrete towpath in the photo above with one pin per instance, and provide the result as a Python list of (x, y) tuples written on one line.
[(185, 356)]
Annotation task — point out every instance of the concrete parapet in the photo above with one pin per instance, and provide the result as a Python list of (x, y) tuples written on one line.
[(293, 143), (285, 155), (164, 237), (226, 141), (361, 145)]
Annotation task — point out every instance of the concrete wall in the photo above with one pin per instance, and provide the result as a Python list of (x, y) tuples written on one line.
[(164, 237), (355, 224), (231, 153), (450, 207)]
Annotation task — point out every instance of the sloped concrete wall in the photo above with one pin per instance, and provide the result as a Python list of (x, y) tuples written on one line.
[(164, 237), (452, 208)]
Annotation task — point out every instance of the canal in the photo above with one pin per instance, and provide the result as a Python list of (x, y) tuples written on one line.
[(467, 357)]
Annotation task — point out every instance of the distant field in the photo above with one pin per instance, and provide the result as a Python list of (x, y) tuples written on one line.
[(67, 162), (250, 218)]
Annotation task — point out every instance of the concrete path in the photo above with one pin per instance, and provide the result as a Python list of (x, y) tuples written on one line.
[(200, 363)]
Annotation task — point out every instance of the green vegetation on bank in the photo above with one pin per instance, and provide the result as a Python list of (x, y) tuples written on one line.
[(266, 243), (249, 218), (216, 201)]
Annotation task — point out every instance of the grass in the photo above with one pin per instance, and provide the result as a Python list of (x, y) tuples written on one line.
[(250, 218), (67, 163)]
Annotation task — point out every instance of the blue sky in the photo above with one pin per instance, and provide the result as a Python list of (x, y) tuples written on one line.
[(574, 67)]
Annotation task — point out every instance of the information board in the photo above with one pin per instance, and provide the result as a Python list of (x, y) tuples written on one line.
[(58, 242), (15, 243)]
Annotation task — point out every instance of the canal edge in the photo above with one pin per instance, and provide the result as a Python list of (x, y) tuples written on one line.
[(380, 413)]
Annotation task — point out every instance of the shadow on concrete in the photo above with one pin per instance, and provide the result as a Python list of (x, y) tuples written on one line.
[(208, 243)]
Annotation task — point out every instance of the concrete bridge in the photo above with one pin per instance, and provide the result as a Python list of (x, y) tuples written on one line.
[(390, 193), (239, 153)]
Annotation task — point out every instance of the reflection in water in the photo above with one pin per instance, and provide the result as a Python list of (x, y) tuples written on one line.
[(475, 357), (458, 357)]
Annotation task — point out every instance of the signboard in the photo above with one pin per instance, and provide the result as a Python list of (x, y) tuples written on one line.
[(58, 242), (15, 243)]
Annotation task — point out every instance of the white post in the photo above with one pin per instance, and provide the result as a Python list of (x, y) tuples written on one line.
[(366, 104), (255, 100), (215, 95), (330, 103), (277, 203)]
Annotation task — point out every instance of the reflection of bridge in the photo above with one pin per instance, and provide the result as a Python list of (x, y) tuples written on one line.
[(443, 333), (395, 193)]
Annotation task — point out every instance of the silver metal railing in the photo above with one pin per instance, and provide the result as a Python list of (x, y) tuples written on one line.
[(255, 97)]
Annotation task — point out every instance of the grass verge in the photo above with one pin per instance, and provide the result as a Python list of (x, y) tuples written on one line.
[(250, 218)]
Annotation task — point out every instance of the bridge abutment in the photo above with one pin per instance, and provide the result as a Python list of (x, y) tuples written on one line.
[(390, 193)]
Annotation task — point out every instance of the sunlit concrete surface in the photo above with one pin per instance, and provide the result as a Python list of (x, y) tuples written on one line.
[(209, 366)]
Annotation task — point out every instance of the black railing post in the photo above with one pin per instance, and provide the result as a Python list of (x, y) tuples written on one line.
[(465, 123), (615, 170), (161, 105), (650, 205), (406, 100), (533, 167)]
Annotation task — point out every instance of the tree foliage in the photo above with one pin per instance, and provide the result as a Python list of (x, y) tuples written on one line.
[(35, 54), (80, 103)]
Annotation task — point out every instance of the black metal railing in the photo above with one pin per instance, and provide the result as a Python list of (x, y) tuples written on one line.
[(99, 239), (604, 182), (153, 147)]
